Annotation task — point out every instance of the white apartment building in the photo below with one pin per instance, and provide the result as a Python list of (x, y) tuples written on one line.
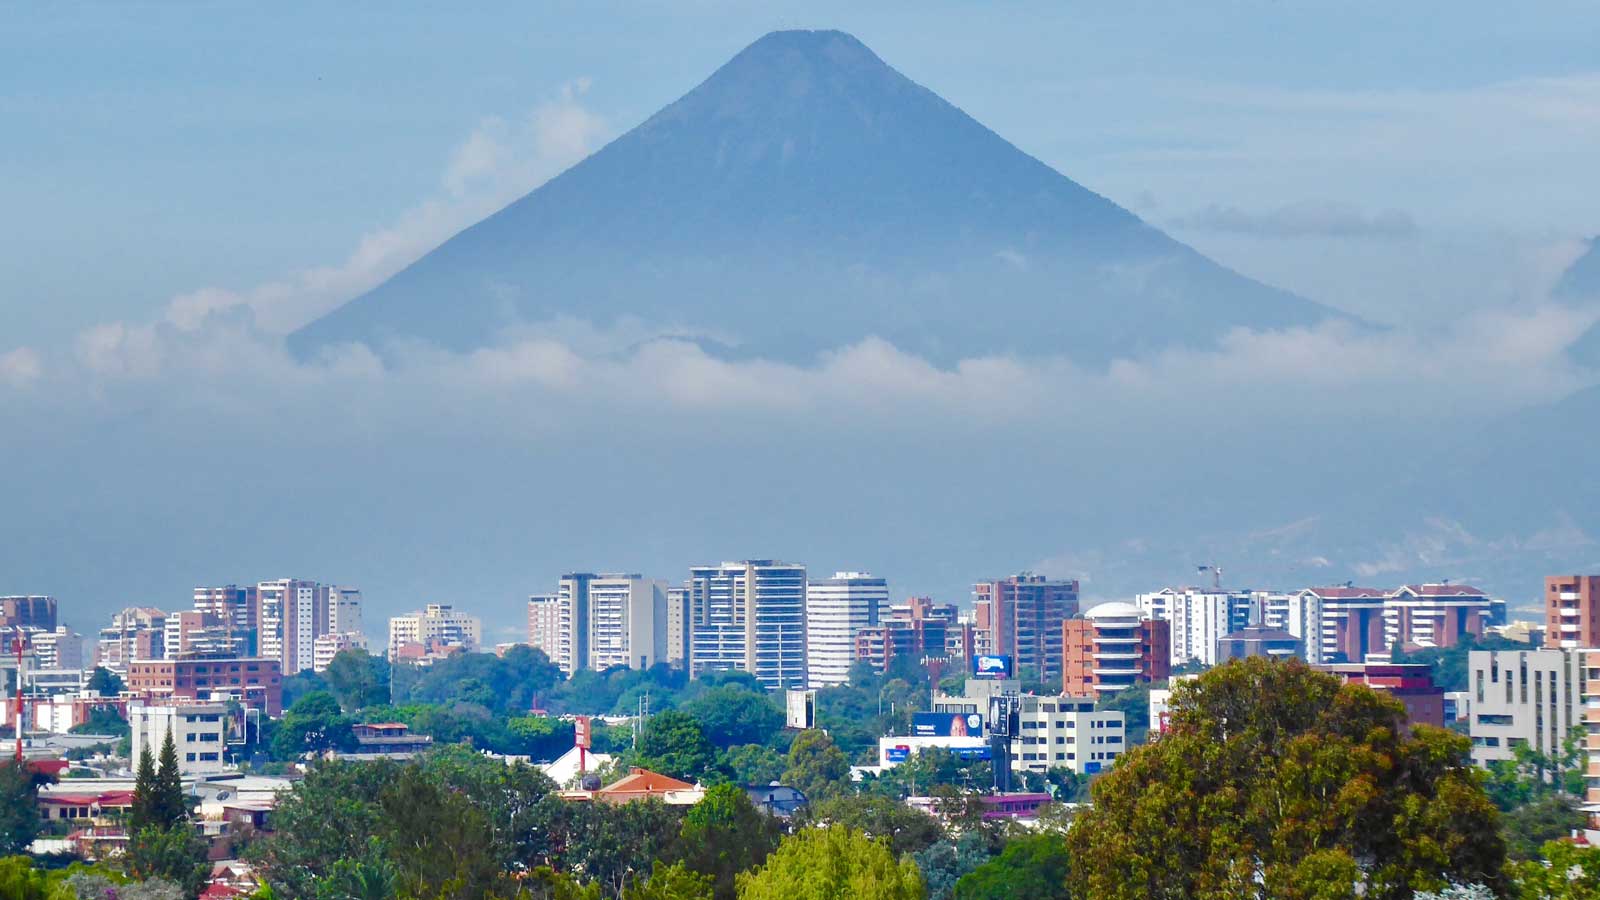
[(678, 627), (439, 624), (327, 646), (1199, 618), (58, 649), (1067, 732), (1300, 614), (627, 622), (837, 608), (199, 734), (749, 616), (1523, 696), (294, 614)]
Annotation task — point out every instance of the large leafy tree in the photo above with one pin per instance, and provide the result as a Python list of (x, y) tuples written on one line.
[(732, 715), (724, 834), (829, 864), (674, 882), (1279, 781), (19, 808), (313, 724), (944, 863), (104, 682), (1033, 866), (673, 743), (357, 679), (906, 829), (1567, 872), (817, 768)]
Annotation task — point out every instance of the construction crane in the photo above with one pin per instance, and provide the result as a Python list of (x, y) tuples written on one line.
[(1216, 575)]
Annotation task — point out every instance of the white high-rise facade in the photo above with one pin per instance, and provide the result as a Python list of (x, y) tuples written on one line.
[(437, 625), (627, 622), (1300, 614), (294, 614), (1199, 618), (344, 610), (749, 616), (1529, 697), (837, 608)]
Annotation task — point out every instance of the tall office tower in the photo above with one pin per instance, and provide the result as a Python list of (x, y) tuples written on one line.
[(837, 608), (677, 651), (544, 617), (1022, 616), (61, 648), (232, 609), (1199, 618), (438, 625), (136, 633), (344, 611), (28, 611), (1572, 611), (1352, 623), (292, 615), (749, 616), (572, 622), (1435, 615), (1300, 615)]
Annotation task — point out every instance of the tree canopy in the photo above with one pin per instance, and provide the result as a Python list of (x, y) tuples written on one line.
[(1278, 781), (831, 864)]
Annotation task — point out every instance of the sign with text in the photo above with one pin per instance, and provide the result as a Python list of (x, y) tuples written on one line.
[(946, 724), (991, 665), (580, 733)]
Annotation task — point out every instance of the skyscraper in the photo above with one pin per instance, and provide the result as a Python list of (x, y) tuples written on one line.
[(1021, 617), (544, 616), (836, 609), (292, 614), (749, 616), (1199, 618), (1572, 611)]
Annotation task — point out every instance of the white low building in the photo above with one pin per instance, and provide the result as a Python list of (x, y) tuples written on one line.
[(1534, 697), (1067, 733), (199, 734)]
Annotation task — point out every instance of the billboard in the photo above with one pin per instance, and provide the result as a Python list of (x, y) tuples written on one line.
[(991, 665), (580, 733), (947, 724), (897, 754), (801, 707)]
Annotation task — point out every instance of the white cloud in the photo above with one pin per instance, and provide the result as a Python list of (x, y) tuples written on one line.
[(499, 162), (1307, 218), (20, 367)]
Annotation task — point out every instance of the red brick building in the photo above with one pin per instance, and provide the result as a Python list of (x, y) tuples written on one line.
[(1411, 684), (1352, 622), (257, 682), (1435, 615), (1112, 648)]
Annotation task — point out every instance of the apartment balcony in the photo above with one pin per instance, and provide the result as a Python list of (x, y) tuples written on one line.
[(1591, 688), (1108, 657)]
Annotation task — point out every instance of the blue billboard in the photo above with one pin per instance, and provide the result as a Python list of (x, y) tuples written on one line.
[(991, 665), (897, 754), (947, 724)]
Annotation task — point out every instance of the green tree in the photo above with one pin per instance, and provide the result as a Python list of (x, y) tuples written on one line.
[(370, 876), (142, 812), (732, 715), (674, 744), (832, 864), (944, 863), (19, 808), (1032, 866), (724, 834), (1567, 872), (172, 853), (907, 830), (169, 805), (1528, 827), (104, 682), (674, 882), (357, 680), (102, 720), (313, 724), (1279, 781), (817, 768), (1134, 704), (327, 816), (753, 764), (443, 838)]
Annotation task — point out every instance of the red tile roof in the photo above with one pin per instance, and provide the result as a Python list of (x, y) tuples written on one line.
[(1348, 593), (1443, 590), (639, 783)]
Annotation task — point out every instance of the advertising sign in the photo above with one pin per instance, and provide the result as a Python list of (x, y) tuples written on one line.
[(946, 724), (991, 665), (580, 732), (897, 754), (971, 752)]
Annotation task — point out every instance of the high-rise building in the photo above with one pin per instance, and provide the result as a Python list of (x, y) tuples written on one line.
[(749, 616), (1111, 648), (1021, 617), (572, 622), (544, 618), (292, 615), (344, 611), (836, 609), (327, 646), (437, 626), (1591, 726), (627, 622), (61, 648), (1435, 615), (232, 610), (1528, 697), (678, 626), (1572, 611), (28, 611), (1199, 618), (918, 628), (1352, 622), (1260, 640), (136, 633), (1300, 614)]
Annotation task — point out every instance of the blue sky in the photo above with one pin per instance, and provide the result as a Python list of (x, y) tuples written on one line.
[(1428, 165), (156, 149)]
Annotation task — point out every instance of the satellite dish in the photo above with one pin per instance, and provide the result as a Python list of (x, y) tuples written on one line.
[(222, 795)]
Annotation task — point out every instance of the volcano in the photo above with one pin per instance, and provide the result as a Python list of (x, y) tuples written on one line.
[(804, 197)]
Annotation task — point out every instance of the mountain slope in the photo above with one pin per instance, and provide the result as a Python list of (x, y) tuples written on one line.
[(807, 195)]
